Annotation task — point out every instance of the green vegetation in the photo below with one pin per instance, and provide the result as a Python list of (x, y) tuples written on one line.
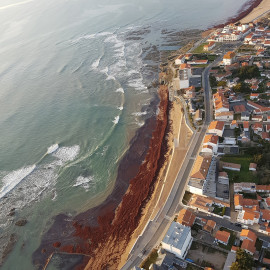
[(150, 259), (222, 83), (242, 88), (249, 195), (246, 48), (219, 210), (196, 227), (199, 49), (247, 72), (244, 261), (258, 244), (213, 81), (244, 175), (267, 254)]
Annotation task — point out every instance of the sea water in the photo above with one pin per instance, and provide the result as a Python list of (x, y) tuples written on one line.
[(74, 88)]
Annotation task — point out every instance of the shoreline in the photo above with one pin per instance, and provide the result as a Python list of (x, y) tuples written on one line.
[(75, 234), (132, 167), (252, 4)]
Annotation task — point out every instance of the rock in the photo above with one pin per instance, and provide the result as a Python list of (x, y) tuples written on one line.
[(21, 222), (57, 244)]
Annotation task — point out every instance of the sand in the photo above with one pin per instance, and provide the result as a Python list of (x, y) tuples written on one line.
[(263, 7)]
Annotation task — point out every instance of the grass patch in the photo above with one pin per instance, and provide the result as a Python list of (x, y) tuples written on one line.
[(199, 49), (219, 210), (150, 259), (244, 175)]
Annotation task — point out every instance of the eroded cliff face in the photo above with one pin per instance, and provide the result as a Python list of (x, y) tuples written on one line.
[(106, 238)]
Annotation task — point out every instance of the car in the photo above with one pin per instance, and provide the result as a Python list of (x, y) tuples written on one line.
[(238, 225)]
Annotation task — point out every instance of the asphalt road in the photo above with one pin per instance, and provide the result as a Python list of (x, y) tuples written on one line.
[(155, 229)]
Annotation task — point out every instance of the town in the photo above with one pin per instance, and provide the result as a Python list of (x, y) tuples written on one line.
[(224, 221)]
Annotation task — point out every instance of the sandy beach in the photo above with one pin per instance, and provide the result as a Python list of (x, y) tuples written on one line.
[(263, 7)]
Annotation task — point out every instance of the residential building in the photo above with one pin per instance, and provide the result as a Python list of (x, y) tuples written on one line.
[(245, 116), (248, 246), (224, 116), (210, 140), (177, 240), (186, 217), (246, 125), (240, 202), (265, 215), (253, 167), (229, 58), (216, 127), (244, 187), (222, 237), (184, 75), (248, 235), (231, 166), (249, 216), (198, 115), (180, 60), (208, 47), (209, 226)]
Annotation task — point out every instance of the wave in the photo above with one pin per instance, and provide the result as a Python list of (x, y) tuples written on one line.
[(116, 119), (83, 181), (14, 178), (96, 63), (67, 153), (120, 90), (52, 148), (120, 108), (110, 77), (139, 113)]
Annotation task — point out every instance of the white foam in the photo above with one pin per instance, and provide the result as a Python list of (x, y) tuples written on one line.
[(67, 153), (83, 181), (52, 148), (139, 113), (110, 77), (120, 108), (96, 63), (11, 180), (116, 120), (120, 90)]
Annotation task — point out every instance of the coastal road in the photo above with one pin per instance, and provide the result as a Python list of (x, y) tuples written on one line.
[(156, 228)]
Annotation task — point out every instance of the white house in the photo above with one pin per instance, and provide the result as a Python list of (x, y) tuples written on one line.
[(225, 116), (216, 127), (211, 140), (184, 75), (229, 58), (180, 60), (177, 240)]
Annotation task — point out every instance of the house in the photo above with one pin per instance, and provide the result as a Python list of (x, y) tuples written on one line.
[(186, 217), (245, 116), (180, 60), (267, 128), (266, 261), (184, 75), (244, 187), (198, 115), (265, 136), (265, 215), (209, 46), (222, 237), (189, 92), (240, 203), (254, 96), (216, 127), (210, 226), (198, 62), (263, 188), (224, 116), (246, 125), (233, 124), (200, 168), (248, 234), (231, 166), (239, 108), (249, 216), (257, 117), (229, 58), (253, 167), (177, 240), (267, 201), (248, 246), (211, 140), (257, 128)]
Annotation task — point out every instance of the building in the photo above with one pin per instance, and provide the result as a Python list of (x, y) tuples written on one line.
[(253, 167), (231, 166), (248, 246), (210, 140), (200, 168), (245, 116), (222, 237), (224, 116), (177, 240), (244, 187), (216, 127), (198, 115), (186, 217), (184, 75), (180, 60), (240, 202), (254, 96), (246, 125), (229, 58), (265, 215), (208, 47), (249, 216), (248, 235), (210, 226)]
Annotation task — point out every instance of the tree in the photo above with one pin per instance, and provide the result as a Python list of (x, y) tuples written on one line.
[(248, 72), (242, 88), (222, 83), (244, 261), (213, 81)]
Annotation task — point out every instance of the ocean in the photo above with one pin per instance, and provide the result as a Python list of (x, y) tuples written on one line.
[(76, 83)]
